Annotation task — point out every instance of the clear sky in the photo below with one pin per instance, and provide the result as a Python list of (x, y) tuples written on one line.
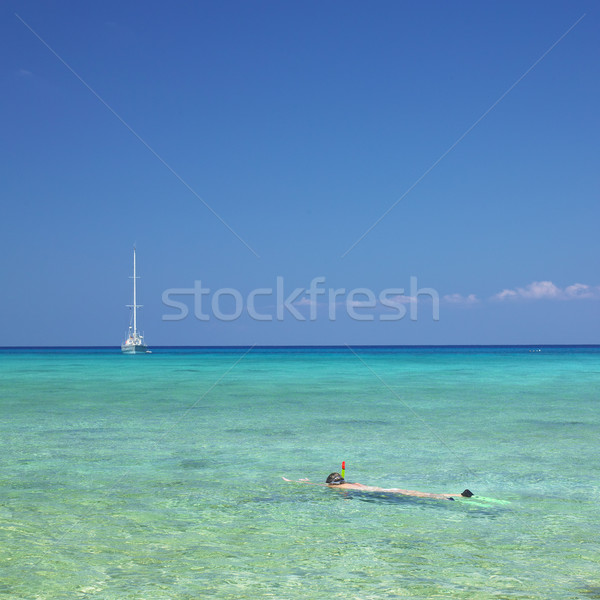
[(236, 143)]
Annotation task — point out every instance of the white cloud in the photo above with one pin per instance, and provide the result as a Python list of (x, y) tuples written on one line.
[(505, 294), (460, 299), (546, 290), (401, 299), (358, 303), (305, 302), (581, 290)]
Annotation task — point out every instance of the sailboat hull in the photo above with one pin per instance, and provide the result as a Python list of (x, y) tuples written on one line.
[(134, 349)]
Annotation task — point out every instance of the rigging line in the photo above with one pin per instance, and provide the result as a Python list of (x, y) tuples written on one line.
[(139, 137), (485, 114)]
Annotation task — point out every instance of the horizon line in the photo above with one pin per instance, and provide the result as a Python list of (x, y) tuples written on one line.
[(274, 346)]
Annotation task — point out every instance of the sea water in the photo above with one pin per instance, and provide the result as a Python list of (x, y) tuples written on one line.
[(160, 476)]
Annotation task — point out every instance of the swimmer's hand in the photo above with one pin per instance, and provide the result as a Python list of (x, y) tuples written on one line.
[(303, 480)]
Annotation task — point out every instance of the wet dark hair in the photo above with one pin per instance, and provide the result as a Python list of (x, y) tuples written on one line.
[(335, 479), (467, 493)]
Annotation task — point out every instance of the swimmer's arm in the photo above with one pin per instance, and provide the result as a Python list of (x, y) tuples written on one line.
[(302, 481), (342, 486)]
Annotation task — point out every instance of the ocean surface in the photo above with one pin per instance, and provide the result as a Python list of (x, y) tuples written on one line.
[(160, 476)]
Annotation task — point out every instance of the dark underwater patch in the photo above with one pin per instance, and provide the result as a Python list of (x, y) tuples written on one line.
[(551, 424), (189, 463)]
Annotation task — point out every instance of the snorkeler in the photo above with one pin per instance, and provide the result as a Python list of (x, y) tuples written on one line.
[(337, 481)]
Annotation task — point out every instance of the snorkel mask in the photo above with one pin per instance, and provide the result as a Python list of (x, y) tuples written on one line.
[(335, 479)]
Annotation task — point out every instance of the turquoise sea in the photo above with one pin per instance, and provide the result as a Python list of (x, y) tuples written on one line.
[(160, 476)]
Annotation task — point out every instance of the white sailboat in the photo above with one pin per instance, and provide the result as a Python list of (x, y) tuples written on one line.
[(134, 344)]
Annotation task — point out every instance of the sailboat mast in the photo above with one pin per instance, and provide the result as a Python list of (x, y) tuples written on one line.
[(134, 297), (134, 343)]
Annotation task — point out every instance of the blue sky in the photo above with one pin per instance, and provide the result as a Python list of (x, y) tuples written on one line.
[(300, 125)]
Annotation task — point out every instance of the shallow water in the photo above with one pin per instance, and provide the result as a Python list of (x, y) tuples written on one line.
[(159, 476)]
